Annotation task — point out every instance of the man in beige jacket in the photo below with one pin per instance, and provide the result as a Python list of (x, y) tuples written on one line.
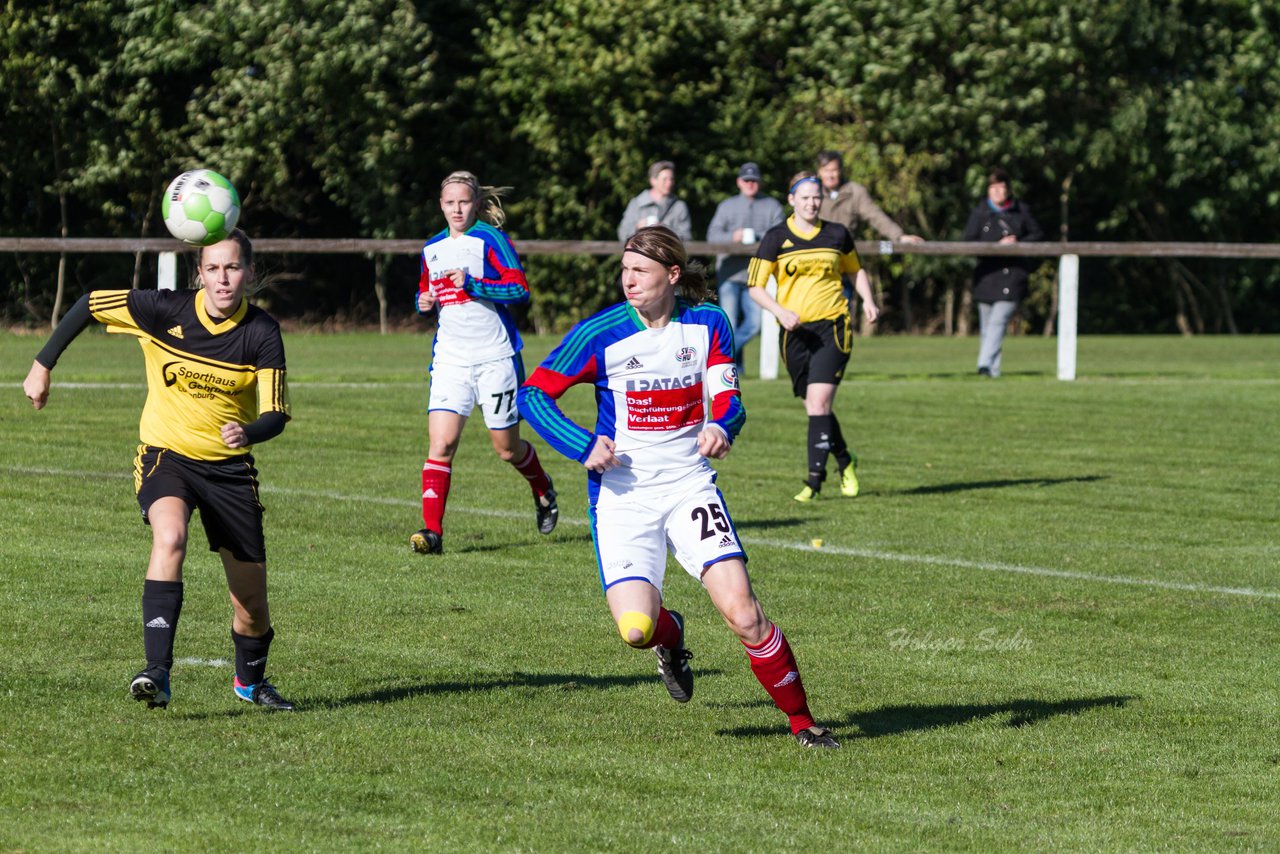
[(849, 203)]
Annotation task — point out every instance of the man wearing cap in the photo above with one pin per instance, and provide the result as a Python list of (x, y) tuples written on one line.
[(741, 219), (657, 205)]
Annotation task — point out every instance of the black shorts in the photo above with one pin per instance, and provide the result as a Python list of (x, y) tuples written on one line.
[(224, 491), (817, 352)]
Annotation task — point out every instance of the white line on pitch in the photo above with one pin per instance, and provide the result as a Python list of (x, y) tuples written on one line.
[(870, 554), (203, 662)]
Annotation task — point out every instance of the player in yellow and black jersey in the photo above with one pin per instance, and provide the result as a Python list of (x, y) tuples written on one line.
[(808, 257), (215, 387)]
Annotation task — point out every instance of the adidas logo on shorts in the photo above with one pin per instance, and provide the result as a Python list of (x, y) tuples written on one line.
[(726, 542)]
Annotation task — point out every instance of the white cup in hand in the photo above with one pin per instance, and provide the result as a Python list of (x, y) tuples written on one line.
[(748, 235), (653, 220)]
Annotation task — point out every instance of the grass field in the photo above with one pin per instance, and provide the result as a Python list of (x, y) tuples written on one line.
[(1048, 623)]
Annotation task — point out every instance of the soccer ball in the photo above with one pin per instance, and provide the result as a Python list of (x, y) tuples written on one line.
[(200, 207)]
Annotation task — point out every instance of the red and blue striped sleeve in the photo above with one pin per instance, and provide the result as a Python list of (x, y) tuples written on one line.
[(504, 280), (573, 361), (727, 411)]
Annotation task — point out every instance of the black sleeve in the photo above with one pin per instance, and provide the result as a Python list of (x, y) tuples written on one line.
[(973, 228), (1031, 231), (71, 325), (267, 426)]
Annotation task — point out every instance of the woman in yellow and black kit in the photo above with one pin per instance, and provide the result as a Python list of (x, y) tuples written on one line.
[(809, 256), (215, 387)]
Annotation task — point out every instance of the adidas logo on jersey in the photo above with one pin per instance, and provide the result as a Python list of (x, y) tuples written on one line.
[(176, 331), (158, 623), (726, 542), (787, 244), (633, 364)]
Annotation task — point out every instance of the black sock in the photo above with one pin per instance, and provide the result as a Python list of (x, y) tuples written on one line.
[(251, 656), (819, 449), (839, 449), (161, 605)]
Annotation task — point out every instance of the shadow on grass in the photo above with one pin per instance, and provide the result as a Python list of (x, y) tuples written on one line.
[(554, 681), (897, 720), (766, 524), (476, 545), (944, 488)]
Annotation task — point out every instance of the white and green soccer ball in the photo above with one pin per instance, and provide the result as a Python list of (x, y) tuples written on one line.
[(200, 207)]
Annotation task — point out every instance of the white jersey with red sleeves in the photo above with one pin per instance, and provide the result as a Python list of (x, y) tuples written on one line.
[(474, 324), (656, 390)]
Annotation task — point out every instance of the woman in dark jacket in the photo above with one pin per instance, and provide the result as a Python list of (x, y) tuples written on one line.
[(999, 283)]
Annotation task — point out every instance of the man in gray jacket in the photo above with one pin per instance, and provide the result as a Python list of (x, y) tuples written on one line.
[(741, 219), (657, 205), (849, 203)]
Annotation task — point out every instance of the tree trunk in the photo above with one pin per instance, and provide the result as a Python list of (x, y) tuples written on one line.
[(966, 311), (1180, 317), (1188, 305), (1064, 235), (908, 316), (380, 288), (137, 256), (949, 311), (63, 228), (1227, 314)]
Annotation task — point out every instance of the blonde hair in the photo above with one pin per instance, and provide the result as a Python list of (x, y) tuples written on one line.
[(488, 199), (800, 177)]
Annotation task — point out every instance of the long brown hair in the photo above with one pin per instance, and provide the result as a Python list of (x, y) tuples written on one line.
[(661, 244)]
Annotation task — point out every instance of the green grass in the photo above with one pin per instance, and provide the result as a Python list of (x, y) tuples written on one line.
[(1049, 622)]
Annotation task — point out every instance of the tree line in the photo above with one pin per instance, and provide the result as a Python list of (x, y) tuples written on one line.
[(1119, 120)]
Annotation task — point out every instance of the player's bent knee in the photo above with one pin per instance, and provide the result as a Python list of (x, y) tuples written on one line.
[(636, 629)]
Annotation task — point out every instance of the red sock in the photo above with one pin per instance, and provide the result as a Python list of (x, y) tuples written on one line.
[(667, 632), (775, 667), (435, 492), (531, 468)]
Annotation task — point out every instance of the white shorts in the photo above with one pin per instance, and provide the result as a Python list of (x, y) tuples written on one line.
[(489, 385), (632, 534)]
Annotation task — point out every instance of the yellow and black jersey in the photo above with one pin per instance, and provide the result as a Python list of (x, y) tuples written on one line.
[(809, 266), (201, 372)]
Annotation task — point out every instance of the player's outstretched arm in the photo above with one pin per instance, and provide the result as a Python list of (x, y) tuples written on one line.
[(36, 385)]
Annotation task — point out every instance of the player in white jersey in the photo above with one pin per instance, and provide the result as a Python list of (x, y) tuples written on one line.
[(470, 274), (656, 361)]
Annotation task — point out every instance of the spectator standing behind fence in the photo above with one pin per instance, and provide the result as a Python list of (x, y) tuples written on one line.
[(657, 205), (849, 203), (999, 282), (743, 218)]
